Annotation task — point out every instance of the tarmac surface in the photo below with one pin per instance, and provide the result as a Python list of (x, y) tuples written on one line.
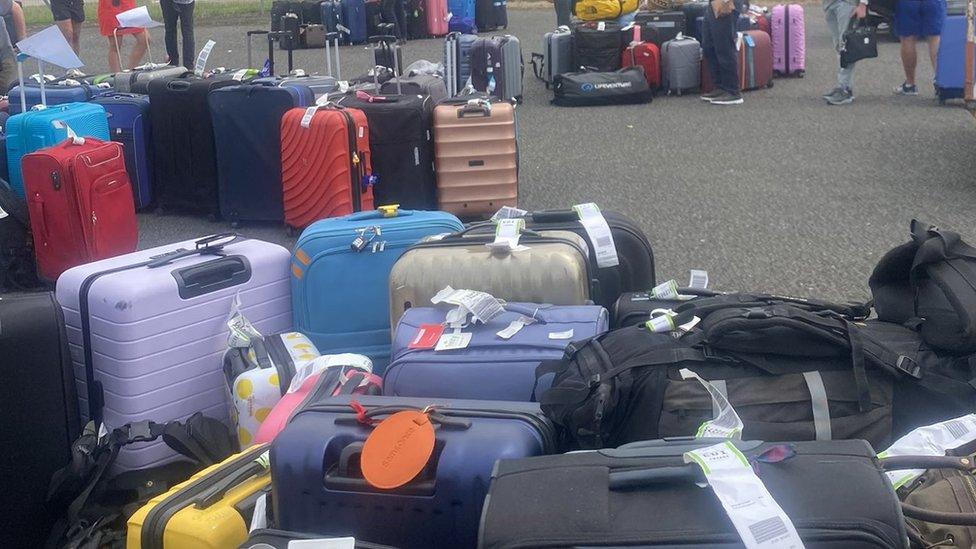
[(783, 193)]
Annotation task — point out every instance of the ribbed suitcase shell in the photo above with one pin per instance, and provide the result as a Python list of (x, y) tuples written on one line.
[(553, 270), (681, 65), (436, 17), (137, 81), (557, 52), (29, 131), (475, 158), (129, 124), (157, 354), (320, 175), (756, 62), (56, 94), (41, 412), (496, 67), (327, 275), (457, 59), (489, 368), (441, 510), (789, 41), (80, 203), (177, 519), (247, 136)]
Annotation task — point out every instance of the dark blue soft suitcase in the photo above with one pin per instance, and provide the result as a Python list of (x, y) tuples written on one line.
[(318, 487), (462, 16), (247, 136), (490, 367), (354, 19), (331, 14), (950, 71), (128, 123), (329, 274), (56, 94)]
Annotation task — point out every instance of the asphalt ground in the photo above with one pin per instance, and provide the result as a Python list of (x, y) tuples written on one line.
[(783, 193)]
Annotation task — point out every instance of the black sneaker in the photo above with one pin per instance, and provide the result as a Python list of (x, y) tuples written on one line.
[(905, 89), (829, 94), (841, 97), (728, 99), (712, 95)]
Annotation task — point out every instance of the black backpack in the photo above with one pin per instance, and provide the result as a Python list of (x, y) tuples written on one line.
[(929, 284), (17, 269)]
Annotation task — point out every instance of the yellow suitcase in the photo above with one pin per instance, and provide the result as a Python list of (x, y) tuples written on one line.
[(212, 510)]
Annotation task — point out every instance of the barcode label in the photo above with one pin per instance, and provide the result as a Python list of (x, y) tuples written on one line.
[(957, 428), (768, 529), (604, 241), (699, 279)]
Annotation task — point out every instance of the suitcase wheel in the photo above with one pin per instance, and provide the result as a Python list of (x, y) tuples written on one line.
[(770, 85), (291, 232), (801, 74)]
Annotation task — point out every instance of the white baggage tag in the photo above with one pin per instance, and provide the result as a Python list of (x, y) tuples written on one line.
[(239, 75), (515, 327), (507, 234), (699, 279), (727, 423), (3, 213), (601, 26), (307, 117), (759, 520), (481, 305), (202, 58), (323, 543), (666, 290), (259, 518), (931, 440), (738, 41), (568, 334), (454, 340), (599, 232), (661, 323), (507, 212)]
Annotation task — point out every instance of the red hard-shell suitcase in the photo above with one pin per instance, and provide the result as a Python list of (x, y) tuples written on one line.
[(80, 203), (437, 17), (647, 55), (325, 164), (755, 61)]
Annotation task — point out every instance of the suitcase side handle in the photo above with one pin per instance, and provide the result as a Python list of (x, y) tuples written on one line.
[(347, 475), (964, 464), (684, 474)]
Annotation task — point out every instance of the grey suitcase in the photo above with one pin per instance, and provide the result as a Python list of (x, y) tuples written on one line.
[(556, 57), (137, 81), (681, 65), (554, 269), (417, 84), (496, 67), (457, 61), (513, 66)]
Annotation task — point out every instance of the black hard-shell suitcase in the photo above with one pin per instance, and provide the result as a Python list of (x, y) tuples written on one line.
[(40, 411), (660, 26), (644, 494), (311, 12), (484, 15), (402, 147), (291, 32), (280, 7), (186, 163), (597, 45), (417, 19)]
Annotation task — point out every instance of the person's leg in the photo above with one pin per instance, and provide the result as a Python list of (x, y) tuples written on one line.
[(113, 55), (186, 30), (909, 58), (170, 16), (840, 19), (708, 50), (723, 39), (934, 51), (933, 18), (139, 50), (8, 72)]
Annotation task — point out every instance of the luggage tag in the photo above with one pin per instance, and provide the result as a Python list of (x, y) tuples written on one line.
[(507, 212), (931, 440), (515, 327), (759, 520), (599, 232), (398, 449), (507, 235), (699, 279), (568, 334), (738, 41), (309, 114), (201, 63), (453, 341), (482, 306), (666, 320), (61, 125), (726, 423)]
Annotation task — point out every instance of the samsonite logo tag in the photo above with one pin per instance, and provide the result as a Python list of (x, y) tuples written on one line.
[(606, 86)]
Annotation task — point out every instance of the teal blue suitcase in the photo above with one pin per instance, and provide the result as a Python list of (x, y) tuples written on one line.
[(340, 274)]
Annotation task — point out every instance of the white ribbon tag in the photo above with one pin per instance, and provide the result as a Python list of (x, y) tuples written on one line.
[(239, 75), (307, 117), (727, 423), (61, 125), (481, 305), (666, 290), (202, 58), (323, 543), (507, 234), (599, 232), (759, 520), (514, 327), (259, 518), (508, 212), (699, 279), (931, 440)]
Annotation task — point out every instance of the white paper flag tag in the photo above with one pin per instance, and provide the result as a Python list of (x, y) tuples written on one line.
[(481, 305), (202, 58), (50, 46), (931, 440), (137, 18), (568, 334), (599, 232), (759, 520), (307, 117), (61, 125), (666, 290), (454, 340), (727, 423), (699, 279), (508, 212)]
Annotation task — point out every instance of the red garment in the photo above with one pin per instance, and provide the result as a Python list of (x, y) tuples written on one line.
[(107, 10)]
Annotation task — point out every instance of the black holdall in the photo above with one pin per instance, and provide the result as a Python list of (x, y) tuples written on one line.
[(581, 89), (790, 374), (860, 42), (929, 284)]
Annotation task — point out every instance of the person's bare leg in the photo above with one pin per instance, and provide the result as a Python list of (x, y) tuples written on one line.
[(66, 29), (113, 55), (75, 39), (909, 59), (139, 50), (934, 51)]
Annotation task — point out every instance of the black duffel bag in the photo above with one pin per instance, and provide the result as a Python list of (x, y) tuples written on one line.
[(581, 89), (929, 284), (790, 374)]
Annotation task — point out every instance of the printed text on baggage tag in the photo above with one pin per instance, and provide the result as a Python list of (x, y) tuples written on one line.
[(455, 340), (202, 58), (598, 230)]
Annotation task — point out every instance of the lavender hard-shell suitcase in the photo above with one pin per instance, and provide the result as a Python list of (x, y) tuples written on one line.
[(319, 488), (490, 367), (147, 330), (789, 44)]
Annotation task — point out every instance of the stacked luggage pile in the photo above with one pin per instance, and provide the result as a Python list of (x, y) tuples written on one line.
[(239, 146), (609, 52), (400, 378)]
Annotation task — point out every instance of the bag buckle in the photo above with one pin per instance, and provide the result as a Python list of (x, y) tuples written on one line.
[(140, 431), (908, 366)]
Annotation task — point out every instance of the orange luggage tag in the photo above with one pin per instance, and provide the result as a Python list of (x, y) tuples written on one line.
[(398, 449)]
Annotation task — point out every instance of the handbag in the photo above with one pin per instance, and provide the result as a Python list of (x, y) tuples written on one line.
[(860, 42)]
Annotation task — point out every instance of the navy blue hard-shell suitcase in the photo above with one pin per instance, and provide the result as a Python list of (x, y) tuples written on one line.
[(462, 16), (950, 73), (490, 367), (128, 124), (55, 93), (318, 487), (247, 136), (354, 19), (340, 292)]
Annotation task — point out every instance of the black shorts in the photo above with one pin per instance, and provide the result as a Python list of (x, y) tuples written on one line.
[(68, 9)]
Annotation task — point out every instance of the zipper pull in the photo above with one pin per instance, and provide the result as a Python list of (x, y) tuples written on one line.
[(355, 157), (94, 219)]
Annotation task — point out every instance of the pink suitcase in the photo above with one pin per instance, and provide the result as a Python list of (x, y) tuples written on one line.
[(789, 44), (436, 17)]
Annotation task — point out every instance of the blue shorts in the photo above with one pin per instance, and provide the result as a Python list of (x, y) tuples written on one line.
[(919, 18)]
